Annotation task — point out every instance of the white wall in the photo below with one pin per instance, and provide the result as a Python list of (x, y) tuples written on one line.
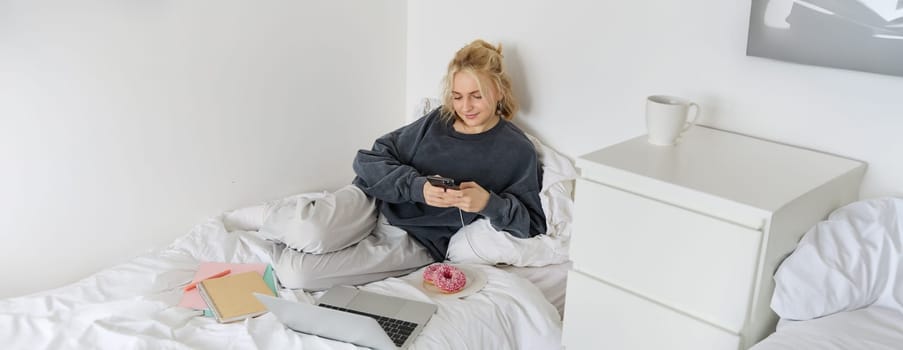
[(583, 69), (124, 123)]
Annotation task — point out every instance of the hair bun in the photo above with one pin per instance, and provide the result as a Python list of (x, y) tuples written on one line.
[(487, 45)]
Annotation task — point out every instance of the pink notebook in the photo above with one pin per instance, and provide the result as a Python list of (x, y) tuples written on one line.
[(192, 299)]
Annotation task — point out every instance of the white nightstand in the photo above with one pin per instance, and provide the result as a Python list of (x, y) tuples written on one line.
[(675, 247)]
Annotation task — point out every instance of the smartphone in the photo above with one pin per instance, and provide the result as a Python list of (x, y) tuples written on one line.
[(443, 182)]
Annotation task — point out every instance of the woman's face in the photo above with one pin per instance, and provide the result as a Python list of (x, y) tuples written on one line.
[(475, 111)]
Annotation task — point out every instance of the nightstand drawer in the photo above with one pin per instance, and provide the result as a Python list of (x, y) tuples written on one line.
[(600, 316), (692, 262)]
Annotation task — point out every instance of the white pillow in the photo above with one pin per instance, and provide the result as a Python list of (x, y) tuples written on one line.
[(847, 262), (424, 106)]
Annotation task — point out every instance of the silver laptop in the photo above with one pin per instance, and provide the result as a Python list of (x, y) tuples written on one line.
[(359, 317)]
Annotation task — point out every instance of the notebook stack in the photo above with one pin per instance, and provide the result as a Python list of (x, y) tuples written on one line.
[(229, 290), (231, 298)]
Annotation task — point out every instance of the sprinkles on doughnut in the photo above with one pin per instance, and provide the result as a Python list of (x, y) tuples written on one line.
[(447, 278), (430, 273)]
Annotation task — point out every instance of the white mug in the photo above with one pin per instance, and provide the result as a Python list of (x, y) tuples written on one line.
[(667, 117)]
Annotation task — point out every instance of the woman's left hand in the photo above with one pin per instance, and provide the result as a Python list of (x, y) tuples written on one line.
[(474, 197)]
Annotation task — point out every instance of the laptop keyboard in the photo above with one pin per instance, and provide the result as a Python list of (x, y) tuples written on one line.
[(398, 330)]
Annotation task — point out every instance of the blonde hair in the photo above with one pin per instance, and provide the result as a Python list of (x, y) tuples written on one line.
[(483, 61)]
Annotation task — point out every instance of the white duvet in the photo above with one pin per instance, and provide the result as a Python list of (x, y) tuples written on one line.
[(131, 306), (871, 328)]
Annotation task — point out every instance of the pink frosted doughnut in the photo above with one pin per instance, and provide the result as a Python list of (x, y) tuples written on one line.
[(449, 279), (429, 275)]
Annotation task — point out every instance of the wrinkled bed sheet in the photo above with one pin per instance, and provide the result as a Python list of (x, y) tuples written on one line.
[(132, 306), (873, 328)]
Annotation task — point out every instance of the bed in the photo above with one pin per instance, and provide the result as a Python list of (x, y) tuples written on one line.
[(842, 288), (873, 328), (133, 305)]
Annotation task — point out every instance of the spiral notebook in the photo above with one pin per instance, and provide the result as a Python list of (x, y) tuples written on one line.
[(231, 298)]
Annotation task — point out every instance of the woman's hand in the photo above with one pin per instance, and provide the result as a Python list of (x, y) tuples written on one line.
[(473, 197), (440, 197)]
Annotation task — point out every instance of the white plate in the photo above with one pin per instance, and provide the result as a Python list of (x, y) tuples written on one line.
[(476, 280)]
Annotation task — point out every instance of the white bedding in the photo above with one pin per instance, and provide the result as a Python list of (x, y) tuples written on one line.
[(132, 306), (873, 328), (550, 279), (842, 288)]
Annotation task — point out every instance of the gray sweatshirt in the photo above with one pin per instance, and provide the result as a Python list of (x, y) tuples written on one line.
[(501, 160)]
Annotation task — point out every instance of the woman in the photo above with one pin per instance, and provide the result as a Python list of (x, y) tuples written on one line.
[(469, 139)]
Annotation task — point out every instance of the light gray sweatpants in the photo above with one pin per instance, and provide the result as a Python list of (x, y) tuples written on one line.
[(337, 238)]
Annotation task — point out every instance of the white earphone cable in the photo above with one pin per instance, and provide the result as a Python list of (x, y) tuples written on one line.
[(467, 238)]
